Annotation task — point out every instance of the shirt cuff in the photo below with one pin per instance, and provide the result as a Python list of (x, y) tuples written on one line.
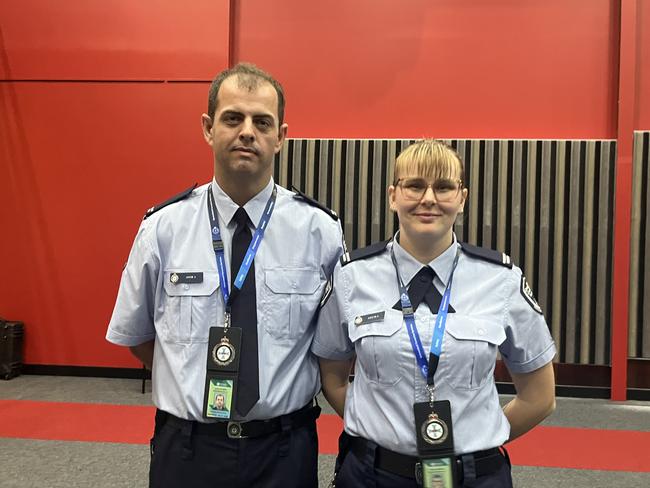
[(542, 359), (325, 352), (128, 340)]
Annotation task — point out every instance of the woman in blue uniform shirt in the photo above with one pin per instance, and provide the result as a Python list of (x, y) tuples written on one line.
[(423, 407)]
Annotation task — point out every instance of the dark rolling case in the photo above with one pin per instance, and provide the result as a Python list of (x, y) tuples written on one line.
[(11, 348)]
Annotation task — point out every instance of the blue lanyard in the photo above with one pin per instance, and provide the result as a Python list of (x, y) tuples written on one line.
[(427, 367), (217, 244)]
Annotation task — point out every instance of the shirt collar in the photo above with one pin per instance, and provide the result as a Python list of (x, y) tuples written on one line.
[(409, 266), (254, 207)]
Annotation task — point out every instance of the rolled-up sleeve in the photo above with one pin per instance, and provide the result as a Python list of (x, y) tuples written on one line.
[(331, 340), (132, 322), (528, 345)]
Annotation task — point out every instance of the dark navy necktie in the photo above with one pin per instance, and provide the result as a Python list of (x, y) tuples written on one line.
[(244, 314), (421, 289)]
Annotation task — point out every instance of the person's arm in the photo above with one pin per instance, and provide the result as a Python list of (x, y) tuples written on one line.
[(335, 380), (535, 400), (144, 352)]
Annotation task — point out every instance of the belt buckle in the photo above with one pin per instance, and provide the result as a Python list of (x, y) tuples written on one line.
[(418, 473), (234, 430)]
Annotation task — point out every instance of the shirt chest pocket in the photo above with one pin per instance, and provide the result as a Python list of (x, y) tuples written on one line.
[(289, 300), (190, 309), (377, 346), (470, 351)]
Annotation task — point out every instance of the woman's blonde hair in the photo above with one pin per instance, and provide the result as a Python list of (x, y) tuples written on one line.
[(431, 159)]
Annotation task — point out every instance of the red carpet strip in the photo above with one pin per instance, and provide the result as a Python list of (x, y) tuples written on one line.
[(559, 447)]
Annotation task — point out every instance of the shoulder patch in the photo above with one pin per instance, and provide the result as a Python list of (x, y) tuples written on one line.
[(527, 293), (364, 252), (176, 198), (314, 203), (485, 254)]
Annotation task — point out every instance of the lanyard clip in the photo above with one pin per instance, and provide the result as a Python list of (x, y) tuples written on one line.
[(226, 320), (430, 389)]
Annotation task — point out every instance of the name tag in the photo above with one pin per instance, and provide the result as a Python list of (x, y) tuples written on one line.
[(181, 278), (370, 318)]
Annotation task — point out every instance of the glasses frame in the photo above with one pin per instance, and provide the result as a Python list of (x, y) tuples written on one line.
[(429, 185)]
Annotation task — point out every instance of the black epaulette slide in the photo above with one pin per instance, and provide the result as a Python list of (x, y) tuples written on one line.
[(176, 198), (485, 254), (364, 252), (314, 203)]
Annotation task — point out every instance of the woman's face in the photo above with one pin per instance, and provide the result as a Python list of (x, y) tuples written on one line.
[(432, 216)]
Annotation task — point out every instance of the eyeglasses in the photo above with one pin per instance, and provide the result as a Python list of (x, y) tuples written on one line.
[(445, 190)]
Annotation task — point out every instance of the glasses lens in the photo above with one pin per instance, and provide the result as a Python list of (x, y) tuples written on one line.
[(444, 190)]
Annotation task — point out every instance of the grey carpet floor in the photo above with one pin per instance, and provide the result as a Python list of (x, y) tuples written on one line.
[(31, 463)]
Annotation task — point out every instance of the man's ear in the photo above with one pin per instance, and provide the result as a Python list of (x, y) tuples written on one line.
[(282, 135), (206, 126)]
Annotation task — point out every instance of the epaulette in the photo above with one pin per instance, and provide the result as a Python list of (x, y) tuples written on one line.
[(314, 203), (176, 198), (364, 252), (485, 254)]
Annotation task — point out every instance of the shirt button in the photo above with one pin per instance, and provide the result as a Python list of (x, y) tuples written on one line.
[(186, 287), (481, 332), (294, 285)]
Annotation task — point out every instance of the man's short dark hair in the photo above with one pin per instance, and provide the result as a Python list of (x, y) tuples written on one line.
[(249, 77)]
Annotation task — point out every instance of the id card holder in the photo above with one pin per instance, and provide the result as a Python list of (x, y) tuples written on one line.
[(222, 370), (435, 444)]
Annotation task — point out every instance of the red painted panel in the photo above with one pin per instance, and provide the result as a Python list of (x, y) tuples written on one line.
[(450, 68), (81, 163), (113, 39), (642, 107)]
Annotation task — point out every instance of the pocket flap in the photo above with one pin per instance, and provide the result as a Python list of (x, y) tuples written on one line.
[(391, 323), (207, 287), (283, 280), (471, 329)]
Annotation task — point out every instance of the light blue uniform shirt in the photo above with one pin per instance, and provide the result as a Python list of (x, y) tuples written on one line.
[(300, 248), (491, 314)]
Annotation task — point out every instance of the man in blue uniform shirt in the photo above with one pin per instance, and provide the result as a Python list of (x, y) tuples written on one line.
[(230, 275)]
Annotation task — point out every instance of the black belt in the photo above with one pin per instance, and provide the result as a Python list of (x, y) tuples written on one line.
[(485, 462), (242, 430)]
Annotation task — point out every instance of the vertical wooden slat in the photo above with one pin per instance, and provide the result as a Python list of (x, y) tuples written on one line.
[(378, 186), (284, 163), (474, 172), (459, 226), (516, 185), (645, 321), (309, 169), (587, 246), (544, 227), (363, 211), (502, 196), (530, 224), (558, 294), (349, 195), (390, 173), (337, 163), (635, 245), (487, 207), (573, 265), (603, 256)]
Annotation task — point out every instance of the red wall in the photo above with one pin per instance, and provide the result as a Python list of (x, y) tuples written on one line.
[(81, 160), (98, 120), (642, 112), (449, 68)]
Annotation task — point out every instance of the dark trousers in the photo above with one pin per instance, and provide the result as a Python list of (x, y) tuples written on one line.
[(355, 473), (181, 458)]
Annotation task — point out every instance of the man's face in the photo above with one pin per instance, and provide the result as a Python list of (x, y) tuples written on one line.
[(219, 402), (245, 133)]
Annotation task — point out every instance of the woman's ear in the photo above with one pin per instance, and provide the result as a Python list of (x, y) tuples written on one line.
[(391, 198)]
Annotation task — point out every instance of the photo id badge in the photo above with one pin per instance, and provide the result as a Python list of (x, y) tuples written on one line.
[(439, 472), (224, 348), (433, 429), (219, 397)]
